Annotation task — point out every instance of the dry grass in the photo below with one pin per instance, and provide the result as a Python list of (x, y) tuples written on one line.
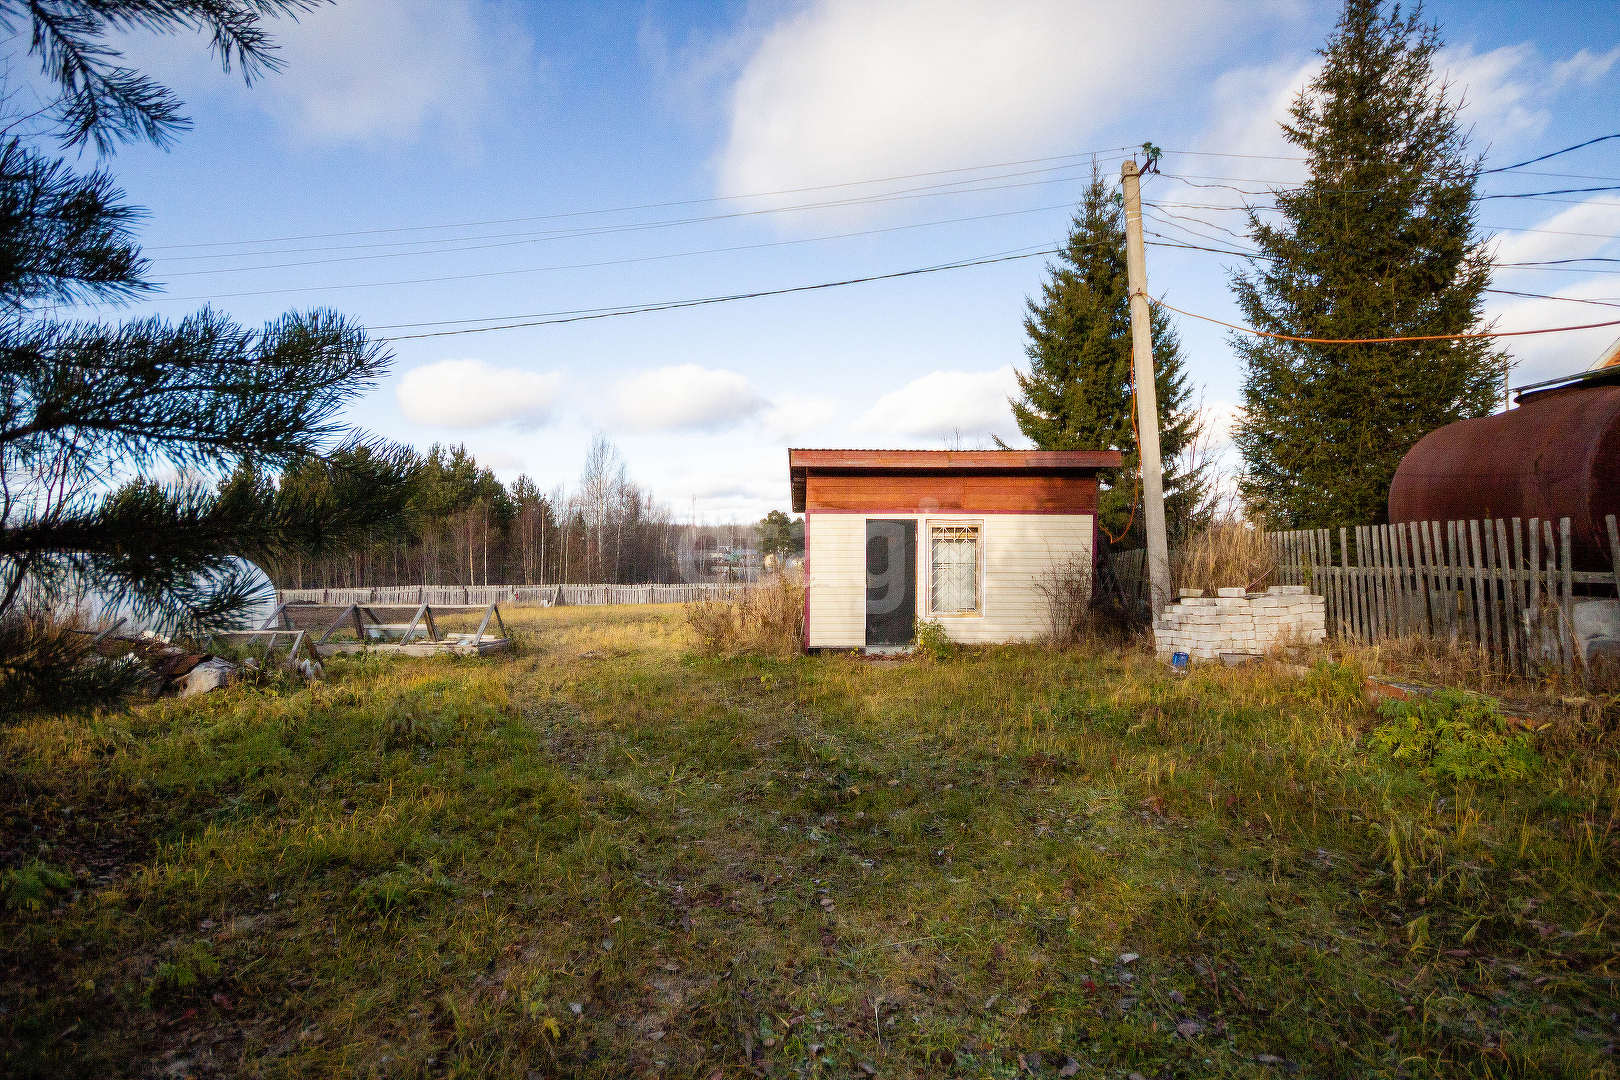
[(607, 857), (1227, 555), (768, 620)]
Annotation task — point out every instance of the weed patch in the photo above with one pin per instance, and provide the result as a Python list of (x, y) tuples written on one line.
[(1454, 737), (611, 855)]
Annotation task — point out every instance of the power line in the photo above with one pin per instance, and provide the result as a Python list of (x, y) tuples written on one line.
[(674, 304), (1544, 296), (609, 262), (1103, 154), (1555, 153), (610, 230), (1383, 340)]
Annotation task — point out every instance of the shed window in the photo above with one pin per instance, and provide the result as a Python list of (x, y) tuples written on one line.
[(955, 569)]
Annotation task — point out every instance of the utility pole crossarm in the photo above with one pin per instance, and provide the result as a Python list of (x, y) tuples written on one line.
[(1147, 404)]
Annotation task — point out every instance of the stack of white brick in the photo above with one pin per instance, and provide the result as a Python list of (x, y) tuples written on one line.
[(1238, 622)]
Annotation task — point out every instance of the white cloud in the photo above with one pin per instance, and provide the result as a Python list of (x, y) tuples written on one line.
[(846, 90), (380, 70), (1582, 230), (1546, 356), (1219, 419), (1250, 106), (943, 404), (793, 416), (470, 394), (685, 397), (363, 71)]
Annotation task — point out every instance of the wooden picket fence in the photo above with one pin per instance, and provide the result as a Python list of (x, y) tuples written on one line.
[(520, 595), (1504, 586)]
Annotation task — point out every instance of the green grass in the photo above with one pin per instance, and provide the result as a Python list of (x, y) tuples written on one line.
[(606, 857)]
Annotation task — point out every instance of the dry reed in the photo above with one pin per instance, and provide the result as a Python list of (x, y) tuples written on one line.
[(1227, 555), (766, 619)]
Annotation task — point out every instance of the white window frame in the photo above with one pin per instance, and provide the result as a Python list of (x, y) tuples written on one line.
[(976, 524)]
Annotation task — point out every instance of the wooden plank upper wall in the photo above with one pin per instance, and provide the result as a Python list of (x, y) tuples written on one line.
[(970, 494)]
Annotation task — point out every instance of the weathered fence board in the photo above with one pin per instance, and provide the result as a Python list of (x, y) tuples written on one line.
[(1505, 586), (534, 595)]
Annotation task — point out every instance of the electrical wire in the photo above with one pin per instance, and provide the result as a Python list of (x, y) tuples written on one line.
[(1105, 155), (638, 227), (1544, 296), (1555, 153), (1380, 341), (567, 317)]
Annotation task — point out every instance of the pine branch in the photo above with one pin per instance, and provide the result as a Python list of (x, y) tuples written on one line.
[(104, 103)]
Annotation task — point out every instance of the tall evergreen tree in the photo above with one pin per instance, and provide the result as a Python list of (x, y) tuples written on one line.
[(1077, 392), (1379, 242), (82, 402)]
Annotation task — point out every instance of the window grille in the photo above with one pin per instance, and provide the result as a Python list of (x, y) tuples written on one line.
[(955, 569)]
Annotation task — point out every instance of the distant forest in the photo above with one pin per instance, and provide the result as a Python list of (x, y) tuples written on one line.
[(470, 529)]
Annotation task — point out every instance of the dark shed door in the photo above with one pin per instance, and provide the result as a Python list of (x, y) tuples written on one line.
[(891, 582)]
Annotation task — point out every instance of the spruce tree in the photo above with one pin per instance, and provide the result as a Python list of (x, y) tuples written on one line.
[(1379, 242), (1076, 394)]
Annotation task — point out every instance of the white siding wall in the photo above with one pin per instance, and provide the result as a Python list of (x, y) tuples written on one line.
[(1017, 551)]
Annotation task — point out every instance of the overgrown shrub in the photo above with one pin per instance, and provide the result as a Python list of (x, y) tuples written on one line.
[(766, 620), (1453, 736), (932, 644), (1066, 588)]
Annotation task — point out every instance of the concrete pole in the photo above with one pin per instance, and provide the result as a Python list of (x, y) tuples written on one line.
[(1147, 398)]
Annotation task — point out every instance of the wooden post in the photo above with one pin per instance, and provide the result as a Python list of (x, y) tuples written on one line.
[(1347, 611), (1569, 592), (1533, 564), (1487, 639), (1614, 550), (1426, 591), (1552, 593), (1515, 591), (1147, 399)]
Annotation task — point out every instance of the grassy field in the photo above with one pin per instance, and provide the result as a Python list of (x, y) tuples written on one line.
[(605, 857)]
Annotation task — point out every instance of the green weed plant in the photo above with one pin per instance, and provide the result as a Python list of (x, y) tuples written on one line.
[(1454, 737)]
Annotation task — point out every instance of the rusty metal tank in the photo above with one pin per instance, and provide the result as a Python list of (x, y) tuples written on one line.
[(1556, 455)]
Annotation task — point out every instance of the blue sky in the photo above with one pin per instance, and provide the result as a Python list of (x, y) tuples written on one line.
[(422, 162)]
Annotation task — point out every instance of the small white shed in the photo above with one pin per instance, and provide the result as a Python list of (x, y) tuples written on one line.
[(961, 538)]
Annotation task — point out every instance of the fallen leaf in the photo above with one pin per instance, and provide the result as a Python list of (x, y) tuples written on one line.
[(1188, 1028), (868, 1069), (1269, 1059), (223, 1002), (1128, 958), (1070, 1067), (1178, 997), (576, 1008)]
